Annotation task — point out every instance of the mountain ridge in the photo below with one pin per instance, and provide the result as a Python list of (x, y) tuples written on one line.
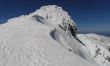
[(46, 37)]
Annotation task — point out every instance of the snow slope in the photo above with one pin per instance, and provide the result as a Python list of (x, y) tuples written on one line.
[(42, 38), (98, 47)]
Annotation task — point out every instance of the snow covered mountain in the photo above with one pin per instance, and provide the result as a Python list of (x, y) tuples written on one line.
[(98, 46), (47, 37)]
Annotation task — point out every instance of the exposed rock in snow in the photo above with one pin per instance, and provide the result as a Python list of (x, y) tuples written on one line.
[(47, 37), (55, 16), (98, 47), (37, 40)]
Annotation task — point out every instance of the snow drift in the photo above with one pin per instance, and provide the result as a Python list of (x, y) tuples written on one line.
[(98, 46), (47, 37)]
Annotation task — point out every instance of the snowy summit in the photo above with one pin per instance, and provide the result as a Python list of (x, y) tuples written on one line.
[(48, 37), (54, 16)]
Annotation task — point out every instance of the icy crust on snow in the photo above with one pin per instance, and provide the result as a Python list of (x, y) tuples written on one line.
[(32, 40), (96, 45), (54, 15)]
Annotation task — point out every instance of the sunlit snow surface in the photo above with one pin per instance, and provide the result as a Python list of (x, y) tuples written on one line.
[(38, 40), (98, 47)]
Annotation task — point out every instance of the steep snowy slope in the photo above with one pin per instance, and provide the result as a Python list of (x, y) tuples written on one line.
[(98, 46), (43, 38)]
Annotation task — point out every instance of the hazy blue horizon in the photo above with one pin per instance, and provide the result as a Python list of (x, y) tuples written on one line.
[(100, 33)]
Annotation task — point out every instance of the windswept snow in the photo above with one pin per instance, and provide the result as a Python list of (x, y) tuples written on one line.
[(98, 47), (54, 15), (47, 37), (38, 40)]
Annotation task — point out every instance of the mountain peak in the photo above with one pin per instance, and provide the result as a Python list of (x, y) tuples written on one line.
[(55, 16)]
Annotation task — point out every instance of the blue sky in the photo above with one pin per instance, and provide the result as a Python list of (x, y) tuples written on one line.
[(89, 15)]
